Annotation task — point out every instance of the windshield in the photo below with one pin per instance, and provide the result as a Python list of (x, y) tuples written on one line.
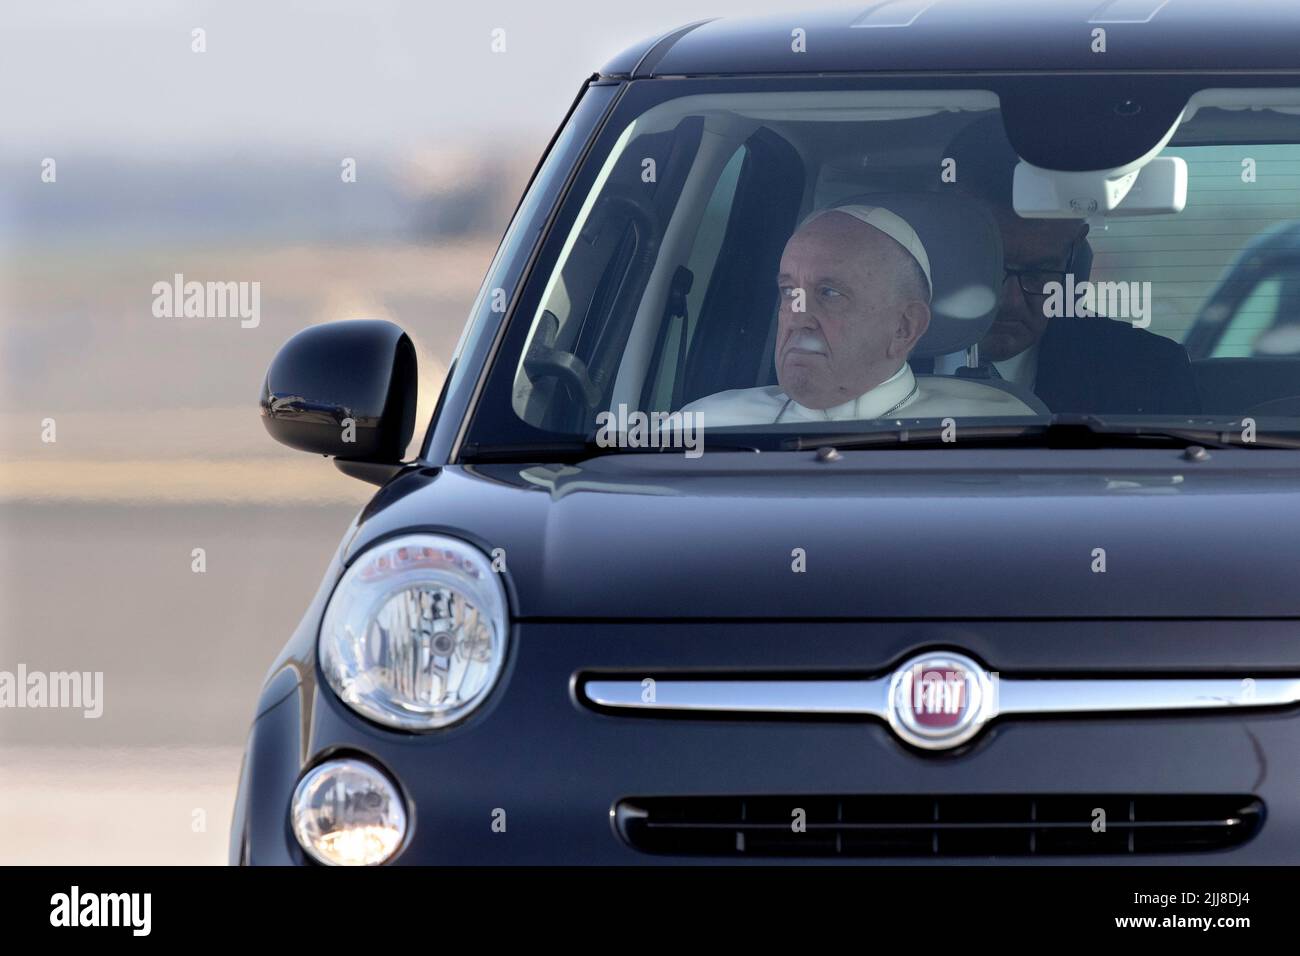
[(747, 264)]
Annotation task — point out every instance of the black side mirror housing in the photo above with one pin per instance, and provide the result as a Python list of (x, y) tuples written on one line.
[(346, 390)]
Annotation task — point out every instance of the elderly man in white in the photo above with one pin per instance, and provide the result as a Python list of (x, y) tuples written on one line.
[(855, 291)]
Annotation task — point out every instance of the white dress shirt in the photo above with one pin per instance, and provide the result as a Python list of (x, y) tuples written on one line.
[(1021, 369)]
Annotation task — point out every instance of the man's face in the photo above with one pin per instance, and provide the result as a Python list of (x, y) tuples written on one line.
[(1033, 246), (861, 316)]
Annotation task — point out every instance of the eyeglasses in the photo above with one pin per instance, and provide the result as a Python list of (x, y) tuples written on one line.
[(1034, 281)]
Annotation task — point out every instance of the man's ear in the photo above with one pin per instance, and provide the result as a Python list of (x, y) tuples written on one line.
[(913, 322)]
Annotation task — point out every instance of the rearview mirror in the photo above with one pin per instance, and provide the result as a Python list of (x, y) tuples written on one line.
[(1154, 188), (346, 390)]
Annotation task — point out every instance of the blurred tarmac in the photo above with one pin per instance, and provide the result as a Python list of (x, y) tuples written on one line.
[(160, 451), (76, 806), (109, 587)]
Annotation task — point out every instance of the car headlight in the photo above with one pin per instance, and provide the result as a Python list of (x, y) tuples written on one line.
[(348, 813), (415, 634)]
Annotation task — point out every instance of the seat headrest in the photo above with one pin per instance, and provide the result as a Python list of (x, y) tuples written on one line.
[(964, 245)]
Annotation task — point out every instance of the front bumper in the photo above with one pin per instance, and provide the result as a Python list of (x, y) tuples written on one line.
[(556, 768)]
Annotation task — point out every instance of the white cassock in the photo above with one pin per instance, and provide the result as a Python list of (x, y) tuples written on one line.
[(902, 395)]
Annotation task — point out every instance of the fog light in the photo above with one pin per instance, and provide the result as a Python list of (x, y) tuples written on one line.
[(348, 813)]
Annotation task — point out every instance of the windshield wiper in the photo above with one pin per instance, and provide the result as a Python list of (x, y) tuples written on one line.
[(1062, 431), (1208, 434), (576, 450)]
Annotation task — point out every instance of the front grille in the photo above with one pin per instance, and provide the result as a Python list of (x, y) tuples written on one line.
[(928, 826)]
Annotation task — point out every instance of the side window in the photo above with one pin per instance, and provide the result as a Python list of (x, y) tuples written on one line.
[(1255, 315), (730, 342), (589, 305), (704, 257), (1235, 195)]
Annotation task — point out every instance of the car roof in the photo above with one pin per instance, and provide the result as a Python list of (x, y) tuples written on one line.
[(926, 35)]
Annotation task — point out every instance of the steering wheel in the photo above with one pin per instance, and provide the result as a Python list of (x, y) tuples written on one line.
[(543, 361)]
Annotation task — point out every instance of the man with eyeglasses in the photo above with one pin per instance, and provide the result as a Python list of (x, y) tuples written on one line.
[(1074, 364)]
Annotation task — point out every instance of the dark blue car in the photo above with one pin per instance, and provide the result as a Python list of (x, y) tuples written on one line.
[(822, 474)]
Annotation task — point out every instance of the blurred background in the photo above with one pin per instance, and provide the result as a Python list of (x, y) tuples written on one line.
[(222, 165)]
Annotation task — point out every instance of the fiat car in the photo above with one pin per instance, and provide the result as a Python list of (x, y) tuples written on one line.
[(825, 474)]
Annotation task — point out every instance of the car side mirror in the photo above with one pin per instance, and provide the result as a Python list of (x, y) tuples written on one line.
[(346, 390)]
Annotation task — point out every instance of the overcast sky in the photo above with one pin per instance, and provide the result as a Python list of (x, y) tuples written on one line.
[(344, 74)]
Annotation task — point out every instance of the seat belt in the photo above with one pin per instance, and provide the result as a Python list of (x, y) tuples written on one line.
[(678, 290)]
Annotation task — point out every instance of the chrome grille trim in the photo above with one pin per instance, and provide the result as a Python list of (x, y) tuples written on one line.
[(1141, 694), (1011, 696), (862, 697)]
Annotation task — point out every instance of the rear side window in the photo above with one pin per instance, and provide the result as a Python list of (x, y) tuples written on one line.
[(1255, 315), (1205, 291)]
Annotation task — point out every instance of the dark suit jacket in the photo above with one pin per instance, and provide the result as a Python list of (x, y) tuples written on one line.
[(1106, 366)]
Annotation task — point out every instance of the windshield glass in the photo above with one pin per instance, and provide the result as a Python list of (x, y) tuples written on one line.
[(756, 265)]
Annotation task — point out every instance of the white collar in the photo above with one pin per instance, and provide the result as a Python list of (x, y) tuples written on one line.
[(890, 395), (1020, 368)]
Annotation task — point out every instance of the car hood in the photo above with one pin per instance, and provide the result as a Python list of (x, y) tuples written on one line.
[(915, 534)]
